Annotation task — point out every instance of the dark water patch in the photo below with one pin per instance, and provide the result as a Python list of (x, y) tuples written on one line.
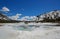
[(32, 27), (27, 28)]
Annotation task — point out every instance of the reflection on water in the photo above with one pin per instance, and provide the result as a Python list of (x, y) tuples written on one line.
[(32, 27), (28, 28)]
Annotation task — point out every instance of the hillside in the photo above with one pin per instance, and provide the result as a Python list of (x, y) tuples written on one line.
[(5, 19), (53, 16)]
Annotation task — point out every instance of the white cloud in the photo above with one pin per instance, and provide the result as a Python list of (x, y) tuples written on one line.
[(28, 18), (15, 17), (33, 17), (5, 9), (25, 18)]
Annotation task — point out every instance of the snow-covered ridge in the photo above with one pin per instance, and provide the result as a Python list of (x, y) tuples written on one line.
[(3, 17), (50, 15)]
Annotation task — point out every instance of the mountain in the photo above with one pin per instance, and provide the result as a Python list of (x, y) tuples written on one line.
[(53, 16), (5, 19)]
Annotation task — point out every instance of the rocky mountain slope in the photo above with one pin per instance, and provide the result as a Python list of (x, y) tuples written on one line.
[(5, 19), (53, 16)]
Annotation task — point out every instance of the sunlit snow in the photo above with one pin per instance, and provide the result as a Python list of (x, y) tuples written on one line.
[(17, 31)]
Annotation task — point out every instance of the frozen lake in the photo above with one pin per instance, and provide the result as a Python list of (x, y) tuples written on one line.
[(17, 31)]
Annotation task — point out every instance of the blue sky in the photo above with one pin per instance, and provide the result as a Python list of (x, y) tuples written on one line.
[(29, 7)]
